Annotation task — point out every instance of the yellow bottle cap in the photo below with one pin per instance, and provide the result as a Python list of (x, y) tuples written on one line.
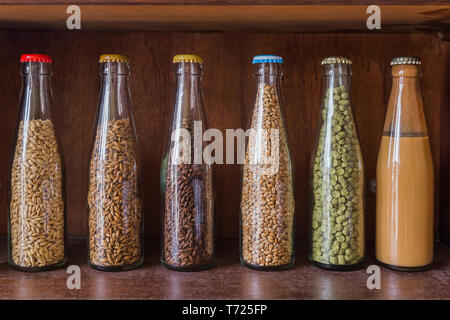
[(113, 58), (187, 58)]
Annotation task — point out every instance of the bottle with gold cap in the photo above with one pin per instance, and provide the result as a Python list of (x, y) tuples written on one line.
[(115, 194), (267, 195), (405, 176), (36, 189), (337, 176), (187, 177)]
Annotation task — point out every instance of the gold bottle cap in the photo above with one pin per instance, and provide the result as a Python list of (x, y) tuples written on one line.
[(187, 58), (330, 60), (405, 60), (113, 58)]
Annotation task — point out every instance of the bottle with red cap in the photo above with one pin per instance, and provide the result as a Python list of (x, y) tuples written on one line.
[(36, 193)]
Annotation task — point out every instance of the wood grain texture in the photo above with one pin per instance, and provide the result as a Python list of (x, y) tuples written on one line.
[(227, 280), (229, 2), (224, 17), (444, 217), (228, 89)]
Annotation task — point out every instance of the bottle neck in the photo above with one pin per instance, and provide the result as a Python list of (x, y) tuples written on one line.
[(405, 116), (115, 98), (330, 83), (268, 73), (36, 93), (268, 77), (189, 95), (337, 75), (336, 89)]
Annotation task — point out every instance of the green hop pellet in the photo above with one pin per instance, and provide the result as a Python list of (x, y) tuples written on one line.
[(337, 227)]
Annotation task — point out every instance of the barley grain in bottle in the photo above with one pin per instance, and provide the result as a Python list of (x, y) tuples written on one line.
[(114, 194), (36, 193)]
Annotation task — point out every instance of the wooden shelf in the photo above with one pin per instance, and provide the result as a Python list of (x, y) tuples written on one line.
[(229, 2), (243, 15), (228, 280), (228, 90)]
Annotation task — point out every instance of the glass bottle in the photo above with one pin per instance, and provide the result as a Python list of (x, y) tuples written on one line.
[(405, 176), (337, 176), (114, 192), (267, 197), (36, 193), (187, 179)]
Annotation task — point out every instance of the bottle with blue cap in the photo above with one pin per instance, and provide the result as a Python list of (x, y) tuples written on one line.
[(267, 59), (267, 198)]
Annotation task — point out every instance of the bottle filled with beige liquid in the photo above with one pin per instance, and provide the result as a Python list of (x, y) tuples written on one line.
[(405, 176)]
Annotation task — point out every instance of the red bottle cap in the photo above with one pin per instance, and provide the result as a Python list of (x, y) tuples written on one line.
[(35, 58)]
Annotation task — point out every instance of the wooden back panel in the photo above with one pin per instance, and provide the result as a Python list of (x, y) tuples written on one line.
[(228, 91)]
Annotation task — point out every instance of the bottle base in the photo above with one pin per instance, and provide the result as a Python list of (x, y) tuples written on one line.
[(334, 267), (269, 268), (405, 269), (39, 269), (127, 267), (202, 267)]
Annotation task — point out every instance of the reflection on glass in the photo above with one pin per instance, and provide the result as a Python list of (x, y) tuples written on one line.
[(405, 176), (337, 176), (114, 195), (186, 179)]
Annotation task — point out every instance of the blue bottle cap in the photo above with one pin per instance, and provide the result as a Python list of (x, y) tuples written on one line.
[(267, 58)]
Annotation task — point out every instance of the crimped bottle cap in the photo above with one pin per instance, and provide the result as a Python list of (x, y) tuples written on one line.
[(330, 60), (405, 60), (113, 58), (267, 58), (35, 58), (187, 58)]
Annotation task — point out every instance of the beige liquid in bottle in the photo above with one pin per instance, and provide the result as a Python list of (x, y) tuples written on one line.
[(405, 200), (405, 178)]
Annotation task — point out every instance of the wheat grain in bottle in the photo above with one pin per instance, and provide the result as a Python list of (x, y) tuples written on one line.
[(267, 196)]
